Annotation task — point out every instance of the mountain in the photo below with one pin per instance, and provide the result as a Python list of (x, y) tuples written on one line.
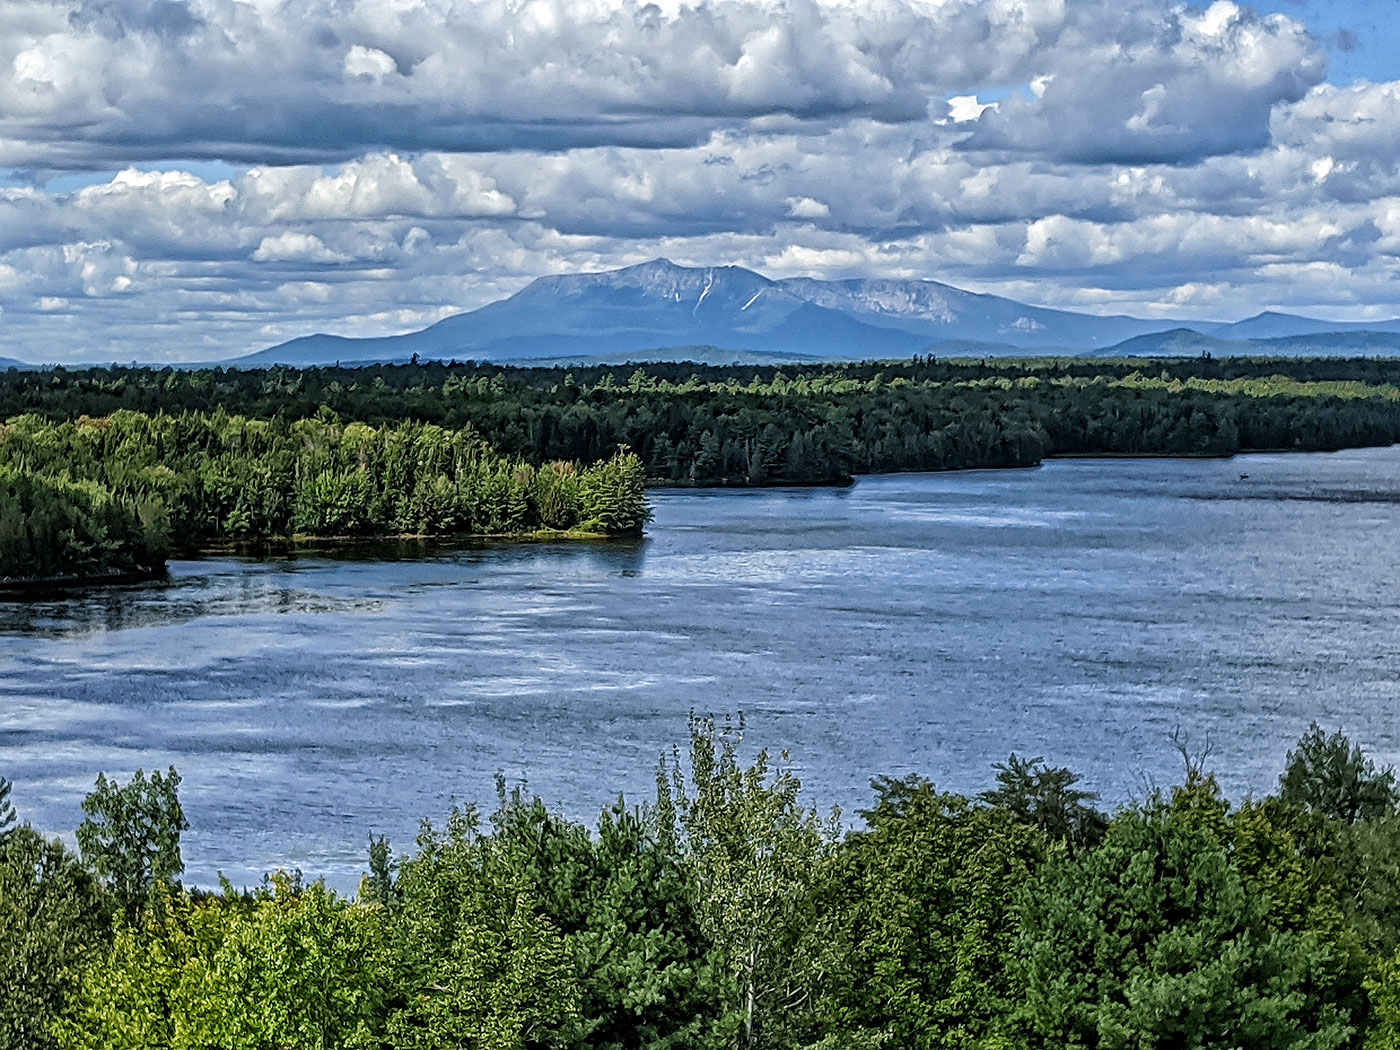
[(642, 308), (708, 355), (1183, 342), (1174, 342), (7, 363), (644, 311), (725, 314), (1273, 325), (942, 313)]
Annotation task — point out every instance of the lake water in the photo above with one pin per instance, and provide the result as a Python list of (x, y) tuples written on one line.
[(913, 623)]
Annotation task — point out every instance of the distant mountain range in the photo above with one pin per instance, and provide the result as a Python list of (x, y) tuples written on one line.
[(659, 311), (723, 314), (639, 311)]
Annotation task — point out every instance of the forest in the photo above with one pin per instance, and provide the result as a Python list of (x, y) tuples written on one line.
[(84, 498), (122, 462), (736, 425), (728, 914)]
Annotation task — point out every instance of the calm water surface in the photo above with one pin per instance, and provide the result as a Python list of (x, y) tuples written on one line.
[(912, 623)]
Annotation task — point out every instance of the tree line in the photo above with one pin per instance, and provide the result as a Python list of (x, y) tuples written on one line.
[(118, 490), (808, 424), (726, 913), (105, 467)]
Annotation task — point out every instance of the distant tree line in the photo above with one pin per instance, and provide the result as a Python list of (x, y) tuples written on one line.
[(86, 497), (727, 915), (109, 464), (737, 425)]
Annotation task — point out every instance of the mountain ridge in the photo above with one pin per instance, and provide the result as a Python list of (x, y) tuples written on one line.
[(658, 309), (659, 306)]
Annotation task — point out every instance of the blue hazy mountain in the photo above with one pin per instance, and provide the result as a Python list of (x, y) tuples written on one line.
[(644, 310), (635, 311), (941, 313), (727, 313), (1273, 325), (1183, 342)]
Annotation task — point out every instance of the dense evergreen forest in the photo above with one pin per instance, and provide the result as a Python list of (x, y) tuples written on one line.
[(108, 466), (728, 915), (693, 424)]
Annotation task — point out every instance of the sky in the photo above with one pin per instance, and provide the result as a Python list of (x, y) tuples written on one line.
[(190, 180)]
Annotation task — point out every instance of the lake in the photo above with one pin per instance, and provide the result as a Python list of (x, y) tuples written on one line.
[(926, 623)]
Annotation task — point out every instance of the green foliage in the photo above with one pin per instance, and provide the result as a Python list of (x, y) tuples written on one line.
[(754, 851), (743, 425), (56, 529), (52, 919), (218, 478), (378, 886), (1163, 936), (131, 837), (729, 916), (919, 920), (648, 976), (1331, 776), (537, 933), (1383, 986), (292, 968), (1046, 798), (481, 966), (612, 496), (1363, 861), (99, 468)]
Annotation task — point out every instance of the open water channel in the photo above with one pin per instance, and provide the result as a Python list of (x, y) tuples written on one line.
[(916, 623)]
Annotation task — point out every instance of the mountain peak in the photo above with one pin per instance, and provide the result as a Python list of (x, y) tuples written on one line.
[(658, 279), (654, 306), (658, 265)]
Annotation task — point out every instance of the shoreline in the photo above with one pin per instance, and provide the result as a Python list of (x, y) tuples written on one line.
[(54, 585), (682, 486), (19, 589)]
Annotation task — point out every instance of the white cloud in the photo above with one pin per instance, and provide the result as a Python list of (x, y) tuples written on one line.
[(386, 162), (127, 80), (1144, 84), (370, 62), (964, 108), (296, 247), (807, 208)]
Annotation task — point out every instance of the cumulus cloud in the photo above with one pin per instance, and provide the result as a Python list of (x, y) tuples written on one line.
[(1357, 122), (88, 82), (99, 82), (296, 247), (1154, 86), (384, 163)]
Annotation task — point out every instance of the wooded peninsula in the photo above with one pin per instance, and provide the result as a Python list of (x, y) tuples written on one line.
[(103, 471)]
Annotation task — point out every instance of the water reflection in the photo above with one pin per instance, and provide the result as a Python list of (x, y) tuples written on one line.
[(272, 583)]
